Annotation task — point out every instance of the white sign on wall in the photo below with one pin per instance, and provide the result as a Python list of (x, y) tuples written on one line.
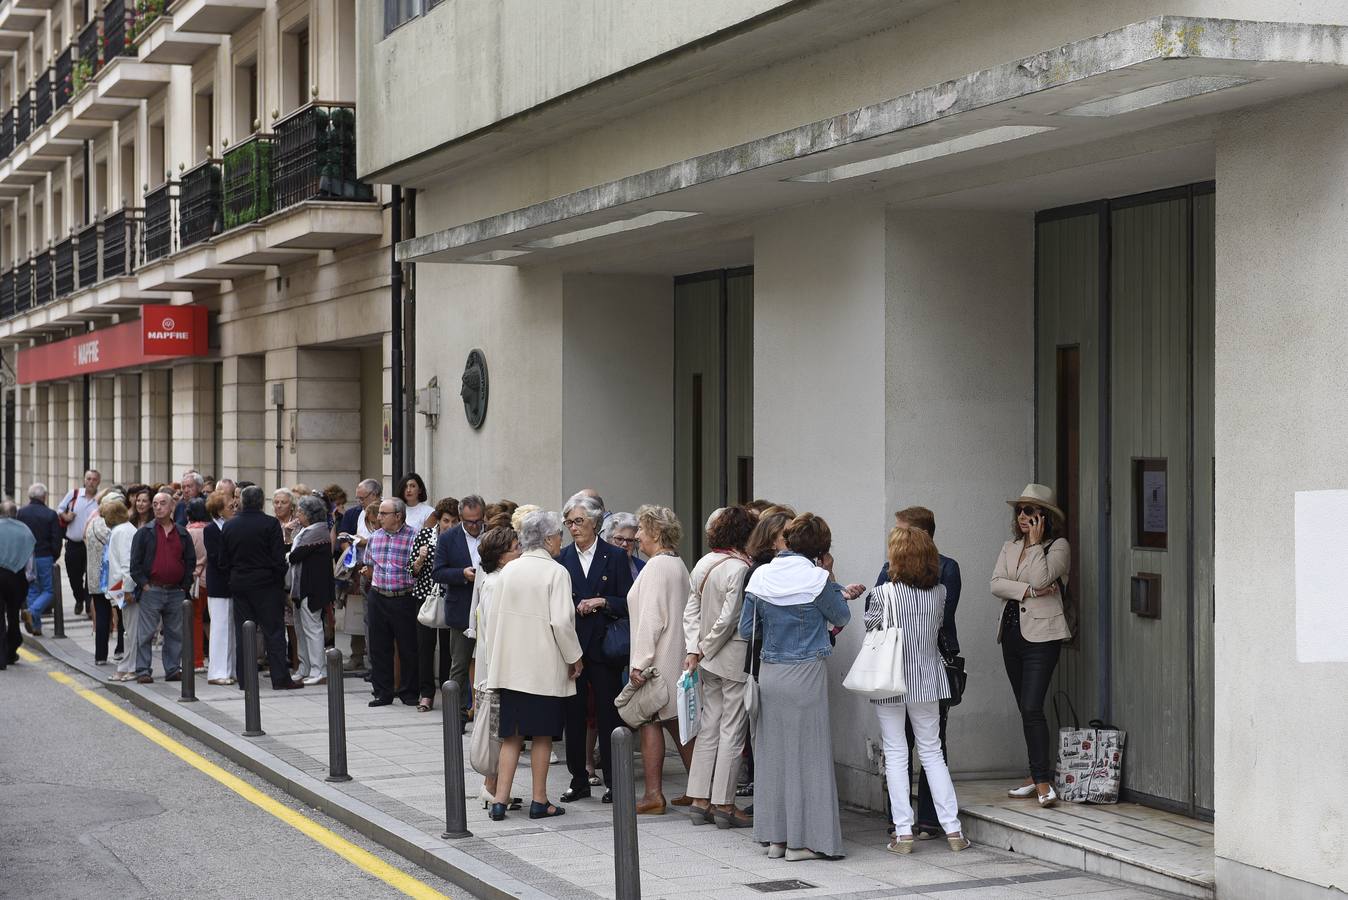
[(1321, 536)]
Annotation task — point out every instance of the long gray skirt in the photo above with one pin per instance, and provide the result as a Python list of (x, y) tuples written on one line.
[(795, 794)]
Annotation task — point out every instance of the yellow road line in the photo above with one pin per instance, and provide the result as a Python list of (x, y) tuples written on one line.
[(28, 655), (358, 857)]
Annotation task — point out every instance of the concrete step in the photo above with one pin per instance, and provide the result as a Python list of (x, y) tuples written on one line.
[(1132, 843)]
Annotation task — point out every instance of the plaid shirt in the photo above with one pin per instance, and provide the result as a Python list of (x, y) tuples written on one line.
[(388, 554)]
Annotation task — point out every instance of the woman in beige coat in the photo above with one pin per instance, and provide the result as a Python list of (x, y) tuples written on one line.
[(716, 651), (655, 604), (534, 658), (1030, 570)]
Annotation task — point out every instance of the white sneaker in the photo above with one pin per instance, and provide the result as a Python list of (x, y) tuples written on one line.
[(1022, 792), (312, 679)]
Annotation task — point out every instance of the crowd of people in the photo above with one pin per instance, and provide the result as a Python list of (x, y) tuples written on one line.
[(549, 639)]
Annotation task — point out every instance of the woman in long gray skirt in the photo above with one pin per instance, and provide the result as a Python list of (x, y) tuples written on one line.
[(792, 602)]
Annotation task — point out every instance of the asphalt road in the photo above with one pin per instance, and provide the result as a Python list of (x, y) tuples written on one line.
[(91, 808)]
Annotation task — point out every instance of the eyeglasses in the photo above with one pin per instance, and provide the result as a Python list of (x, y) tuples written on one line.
[(471, 523), (622, 541), (1027, 510), (576, 522)]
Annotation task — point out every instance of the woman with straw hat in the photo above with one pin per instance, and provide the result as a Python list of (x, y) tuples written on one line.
[(1028, 579)]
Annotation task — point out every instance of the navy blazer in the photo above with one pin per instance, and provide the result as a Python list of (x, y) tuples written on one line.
[(610, 577), (950, 577), (451, 558)]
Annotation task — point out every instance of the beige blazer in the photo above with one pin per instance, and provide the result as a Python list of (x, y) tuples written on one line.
[(711, 620), (1041, 618), (655, 604), (533, 628)]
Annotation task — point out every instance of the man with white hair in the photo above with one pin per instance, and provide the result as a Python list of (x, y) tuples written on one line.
[(46, 528), (193, 485), (74, 511), (16, 548)]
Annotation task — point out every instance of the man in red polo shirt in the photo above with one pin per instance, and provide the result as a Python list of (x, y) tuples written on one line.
[(163, 560)]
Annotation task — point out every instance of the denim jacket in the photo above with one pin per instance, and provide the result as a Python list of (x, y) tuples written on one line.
[(795, 634)]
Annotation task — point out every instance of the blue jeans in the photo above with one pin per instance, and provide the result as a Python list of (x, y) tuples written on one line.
[(40, 591), (155, 604)]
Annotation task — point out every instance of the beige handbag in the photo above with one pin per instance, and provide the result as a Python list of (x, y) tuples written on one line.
[(640, 705)]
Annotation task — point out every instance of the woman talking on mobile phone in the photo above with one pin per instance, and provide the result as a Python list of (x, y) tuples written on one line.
[(1027, 579)]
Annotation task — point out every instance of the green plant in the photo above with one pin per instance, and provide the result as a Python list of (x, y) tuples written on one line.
[(248, 182), (81, 75), (145, 15)]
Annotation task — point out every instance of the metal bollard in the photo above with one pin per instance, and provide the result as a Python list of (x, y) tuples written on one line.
[(626, 858), (456, 812), (58, 613), (252, 703), (187, 659), (336, 718)]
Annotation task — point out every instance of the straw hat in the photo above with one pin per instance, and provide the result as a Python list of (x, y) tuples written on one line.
[(1039, 495)]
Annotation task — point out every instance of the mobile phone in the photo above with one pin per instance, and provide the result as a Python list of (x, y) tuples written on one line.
[(346, 537)]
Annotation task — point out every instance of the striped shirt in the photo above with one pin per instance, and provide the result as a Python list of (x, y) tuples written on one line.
[(920, 614), (388, 555)]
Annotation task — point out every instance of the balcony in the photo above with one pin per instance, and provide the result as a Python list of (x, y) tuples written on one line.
[(42, 280), (42, 102), (63, 267), (64, 70), (90, 57), (23, 287), (159, 225), (24, 125), (86, 240), (247, 182), (7, 294), (160, 41), (215, 16), (7, 134), (36, 5), (200, 204), (121, 236), (117, 22), (143, 18)]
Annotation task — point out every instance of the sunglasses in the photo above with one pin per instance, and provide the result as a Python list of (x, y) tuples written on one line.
[(1027, 510)]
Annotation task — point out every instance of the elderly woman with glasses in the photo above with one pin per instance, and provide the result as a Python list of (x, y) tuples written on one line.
[(534, 659), (311, 587), (620, 530), (600, 580)]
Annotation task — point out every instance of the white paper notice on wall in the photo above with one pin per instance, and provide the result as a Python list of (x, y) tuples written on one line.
[(1322, 576)]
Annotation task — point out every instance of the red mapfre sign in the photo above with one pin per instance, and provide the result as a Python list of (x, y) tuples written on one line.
[(163, 333)]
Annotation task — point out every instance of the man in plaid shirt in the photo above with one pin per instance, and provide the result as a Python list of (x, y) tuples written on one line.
[(393, 611)]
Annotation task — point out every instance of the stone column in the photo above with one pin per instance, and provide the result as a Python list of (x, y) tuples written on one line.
[(192, 413), (102, 436), (75, 413), (126, 428), (155, 425), (58, 436), (243, 448), (320, 422)]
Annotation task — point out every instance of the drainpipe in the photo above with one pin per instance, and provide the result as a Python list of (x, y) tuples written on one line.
[(88, 413), (396, 327), (410, 340)]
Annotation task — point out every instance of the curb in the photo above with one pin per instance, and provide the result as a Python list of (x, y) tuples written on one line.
[(417, 847)]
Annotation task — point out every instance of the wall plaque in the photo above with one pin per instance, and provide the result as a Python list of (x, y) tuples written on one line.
[(474, 389)]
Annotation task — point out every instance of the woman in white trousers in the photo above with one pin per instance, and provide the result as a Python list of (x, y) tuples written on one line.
[(914, 600), (220, 664)]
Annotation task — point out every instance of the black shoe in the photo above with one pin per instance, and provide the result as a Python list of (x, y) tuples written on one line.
[(607, 798), (540, 810), (497, 813), (571, 795), (382, 701), (176, 676), (79, 609)]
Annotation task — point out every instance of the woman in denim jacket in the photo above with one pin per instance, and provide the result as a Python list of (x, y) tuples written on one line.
[(795, 601)]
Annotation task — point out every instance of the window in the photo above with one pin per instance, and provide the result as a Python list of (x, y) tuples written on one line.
[(396, 12)]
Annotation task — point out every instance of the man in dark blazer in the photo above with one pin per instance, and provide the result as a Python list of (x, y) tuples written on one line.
[(455, 566), (253, 562), (921, 517), (600, 580)]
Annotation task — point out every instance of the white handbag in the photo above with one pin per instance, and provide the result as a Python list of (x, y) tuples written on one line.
[(877, 672), (432, 612)]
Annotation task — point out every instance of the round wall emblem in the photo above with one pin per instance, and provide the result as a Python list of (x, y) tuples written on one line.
[(169, 323), (474, 390)]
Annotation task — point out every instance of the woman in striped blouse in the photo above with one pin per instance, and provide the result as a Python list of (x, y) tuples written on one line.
[(914, 600)]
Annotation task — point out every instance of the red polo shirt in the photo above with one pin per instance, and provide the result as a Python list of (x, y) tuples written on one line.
[(168, 557)]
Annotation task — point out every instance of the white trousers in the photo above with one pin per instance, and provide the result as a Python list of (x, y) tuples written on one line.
[(222, 638), (130, 636), (720, 740), (926, 719), (309, 631)]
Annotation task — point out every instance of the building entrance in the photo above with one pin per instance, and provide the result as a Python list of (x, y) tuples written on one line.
[(713, 397), (1124, 430)]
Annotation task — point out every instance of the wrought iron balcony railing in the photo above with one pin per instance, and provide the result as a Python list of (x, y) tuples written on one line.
[(200, 204), (7, 294), (7, 134), (63, 268), (64, 71), (91, 55), (42, 99), (23, 287), (86, 240), (117, 21), (145, 14), (248, 184), (42, 280), (315, 155), (159, 225), (121, 237), (23, 126)]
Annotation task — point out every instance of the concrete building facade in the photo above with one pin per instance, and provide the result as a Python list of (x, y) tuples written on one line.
[(854, 256), (189, 161)]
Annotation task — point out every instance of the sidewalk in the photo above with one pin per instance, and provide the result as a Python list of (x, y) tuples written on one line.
[(395, 757)]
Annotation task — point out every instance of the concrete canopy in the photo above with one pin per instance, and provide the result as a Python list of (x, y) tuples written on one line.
[(1158, 74)]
